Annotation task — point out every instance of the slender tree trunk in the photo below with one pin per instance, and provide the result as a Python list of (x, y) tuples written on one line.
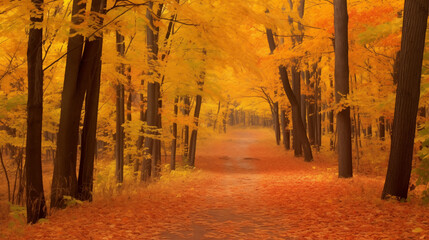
[(64, 180), (5, 174), (217, 116), (186, 112), (407, 98), (296, 112), (193, 142), (382, 127), (285, 131), (120, 113), (153, 94), (36, 206), (174, 141), (90, 72), (276, 122), (296, 84), (129, 117), (345, 167)]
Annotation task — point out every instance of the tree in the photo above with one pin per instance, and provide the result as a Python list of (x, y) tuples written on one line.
[(64, 181), (296, 112), (345, 167), (36, 206), (407, 98), (153, 93), (90, 72), (120, 113)]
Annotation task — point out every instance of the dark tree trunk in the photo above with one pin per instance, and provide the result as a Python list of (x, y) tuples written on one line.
[(407, 98), (296, 84), (36, 205), (312, 112), (90, 72), (382, 128), (345, 167), (129, 117), (153, 94), (296, 112), (285, 131), (186, 112), (64, 180), (276, 122), (174, 141), (193, 142), (120, 113)]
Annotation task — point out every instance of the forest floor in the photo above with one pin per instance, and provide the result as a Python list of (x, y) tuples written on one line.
[(245, 187)]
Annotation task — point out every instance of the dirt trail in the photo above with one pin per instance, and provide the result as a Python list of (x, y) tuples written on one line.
[(248, 188)]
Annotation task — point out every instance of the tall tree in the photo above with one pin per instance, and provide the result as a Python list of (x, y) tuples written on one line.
[(36, 206), (407, 98), (341, 19), (90, 73), (193, 142), (153, 93), (64, 180), (174, 141), (120, 113), (296, 112)]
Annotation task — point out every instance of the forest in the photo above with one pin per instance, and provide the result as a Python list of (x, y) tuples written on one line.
[(221, 119)]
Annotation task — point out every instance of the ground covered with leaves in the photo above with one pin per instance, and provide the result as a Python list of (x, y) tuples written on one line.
[(245, 187)]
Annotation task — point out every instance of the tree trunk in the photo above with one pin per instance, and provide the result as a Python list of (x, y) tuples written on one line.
[(90, 72), (174, 141), (153, 93), (120, 113), (382, 127), (276, 122), (64, 180), (296, 84), (36, 206), (345, 167), (296, 112), (193, 143), (186, 112), (407, 98), (285, 131)]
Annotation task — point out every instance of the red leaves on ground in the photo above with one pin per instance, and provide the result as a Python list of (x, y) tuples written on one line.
[(248, 189)]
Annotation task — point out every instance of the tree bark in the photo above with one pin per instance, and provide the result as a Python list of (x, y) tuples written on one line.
[(90, 73), (296, 84), (193, 142), (120, 113), (296, 112), (153, 93), (36, 205), (407, 98), (174, 141), (276, 122), (285, 131), (64, 180), (345, 167), (186, 112)]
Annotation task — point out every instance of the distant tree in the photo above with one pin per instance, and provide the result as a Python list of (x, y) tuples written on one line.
[(407, 98), (36, 206)]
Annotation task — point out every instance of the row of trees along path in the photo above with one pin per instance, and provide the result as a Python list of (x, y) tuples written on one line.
[(247, 188)]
